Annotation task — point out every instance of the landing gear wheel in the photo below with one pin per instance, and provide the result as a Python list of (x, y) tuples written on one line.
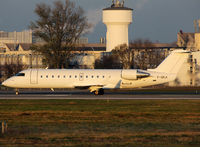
[(96, 92), (17, 92), (99, 92)]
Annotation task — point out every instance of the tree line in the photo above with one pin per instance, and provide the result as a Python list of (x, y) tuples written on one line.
[(139, 55)]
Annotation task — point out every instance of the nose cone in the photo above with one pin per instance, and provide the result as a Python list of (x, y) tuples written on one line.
[(7, 83), (4, 83)]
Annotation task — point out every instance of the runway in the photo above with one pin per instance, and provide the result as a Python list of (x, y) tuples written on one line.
[(82, 95)]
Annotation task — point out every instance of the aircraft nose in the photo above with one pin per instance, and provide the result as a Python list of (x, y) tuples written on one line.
[(7, 83), (4, 83)]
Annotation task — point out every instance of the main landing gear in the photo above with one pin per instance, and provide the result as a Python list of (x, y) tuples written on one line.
[(96, 90), (99, 92)]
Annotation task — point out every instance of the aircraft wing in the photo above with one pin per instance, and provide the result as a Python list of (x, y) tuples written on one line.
[(92, 88)]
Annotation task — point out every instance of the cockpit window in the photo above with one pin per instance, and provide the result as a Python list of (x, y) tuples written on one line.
[(20, 75)]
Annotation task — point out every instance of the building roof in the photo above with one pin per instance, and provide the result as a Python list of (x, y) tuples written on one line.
[(84, 47), (26, 46), (15, 47), (91, 47), (11, 46)]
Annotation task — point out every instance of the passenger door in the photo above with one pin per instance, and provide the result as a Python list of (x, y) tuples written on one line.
[(34, 76)]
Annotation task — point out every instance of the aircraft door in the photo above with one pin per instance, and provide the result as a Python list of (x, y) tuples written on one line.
[(34, 76), (81, 76)]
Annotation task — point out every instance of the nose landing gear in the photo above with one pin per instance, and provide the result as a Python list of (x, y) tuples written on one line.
[(17, 92)]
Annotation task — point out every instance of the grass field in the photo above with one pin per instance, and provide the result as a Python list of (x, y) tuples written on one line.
[(151, 123)]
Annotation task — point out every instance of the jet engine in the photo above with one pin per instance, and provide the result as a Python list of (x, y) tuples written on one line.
[(134, 74)]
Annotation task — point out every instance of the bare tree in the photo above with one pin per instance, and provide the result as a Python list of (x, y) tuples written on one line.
[(141, 44), (145, 53), (140, 54), (124, 55), (108, 62), (11, 69), (59, 26)]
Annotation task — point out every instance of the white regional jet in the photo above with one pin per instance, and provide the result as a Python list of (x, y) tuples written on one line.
[(98, 80)]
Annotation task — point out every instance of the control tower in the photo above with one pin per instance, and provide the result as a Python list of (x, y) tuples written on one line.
[(117, 19)]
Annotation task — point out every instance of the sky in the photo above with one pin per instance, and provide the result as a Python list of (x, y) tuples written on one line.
[(156, 20)]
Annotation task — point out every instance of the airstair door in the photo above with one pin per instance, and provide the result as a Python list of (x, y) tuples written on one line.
[(34, 76)]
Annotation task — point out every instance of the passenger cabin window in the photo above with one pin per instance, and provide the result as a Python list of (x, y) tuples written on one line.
[(20, 75)]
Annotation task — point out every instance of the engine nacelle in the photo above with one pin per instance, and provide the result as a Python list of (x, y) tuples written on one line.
[(129, 74), (134, 74)]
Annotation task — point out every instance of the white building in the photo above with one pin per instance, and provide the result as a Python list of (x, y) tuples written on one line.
[(197, 41), (189, 74), (190, 40), (16, 37)]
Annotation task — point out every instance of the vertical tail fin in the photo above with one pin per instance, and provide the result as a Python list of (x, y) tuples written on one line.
[(173, 62)]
